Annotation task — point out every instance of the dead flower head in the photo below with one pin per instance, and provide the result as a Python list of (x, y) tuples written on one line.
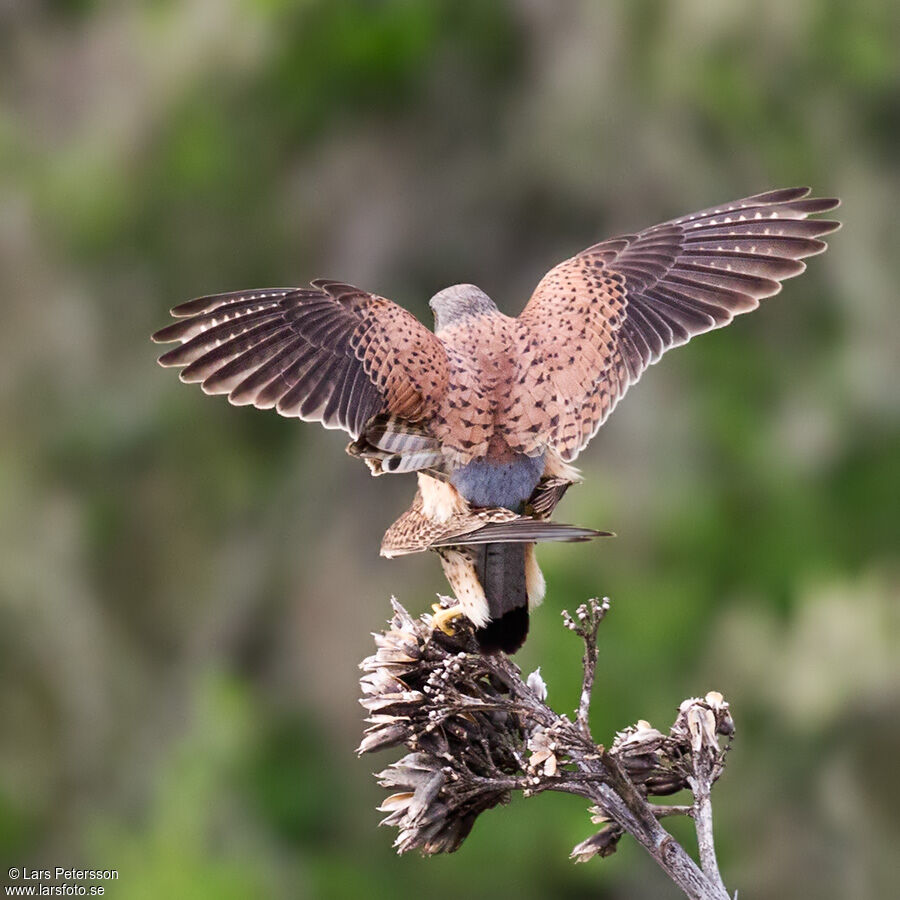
[(661, 763), (438, 697)]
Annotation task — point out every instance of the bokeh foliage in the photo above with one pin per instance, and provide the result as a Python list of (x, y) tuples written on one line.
[(185, 588)]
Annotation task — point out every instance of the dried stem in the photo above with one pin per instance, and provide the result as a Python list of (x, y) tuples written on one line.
[(704, 827), (477, 730), (586, 623), (662, 811), (706, 761)]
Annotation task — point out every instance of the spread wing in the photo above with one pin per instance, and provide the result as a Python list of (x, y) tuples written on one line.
[(331, 353), (597, 320)]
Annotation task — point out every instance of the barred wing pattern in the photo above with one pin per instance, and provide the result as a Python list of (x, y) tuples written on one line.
[(598, 320), (331, 353)]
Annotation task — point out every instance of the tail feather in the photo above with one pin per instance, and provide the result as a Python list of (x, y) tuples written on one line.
[(507, 633), (395, 435), (501, 570), (390, 444), (396, 463)]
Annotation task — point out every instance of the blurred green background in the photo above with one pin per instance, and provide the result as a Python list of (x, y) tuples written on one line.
[(186, 587)]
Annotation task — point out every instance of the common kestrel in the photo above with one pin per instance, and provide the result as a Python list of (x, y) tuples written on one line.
[(490, 410), (479, 548)]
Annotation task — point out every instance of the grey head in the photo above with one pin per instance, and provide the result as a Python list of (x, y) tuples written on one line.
[(455, 304)]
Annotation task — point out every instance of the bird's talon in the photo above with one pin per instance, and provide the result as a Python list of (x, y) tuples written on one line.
[(444, 616)]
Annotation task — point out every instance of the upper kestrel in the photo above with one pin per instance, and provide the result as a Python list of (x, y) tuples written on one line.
[(490, 409)]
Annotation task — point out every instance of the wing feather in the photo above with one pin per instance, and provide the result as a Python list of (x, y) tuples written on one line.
[(247, 391), (225, 379), (330, 353), (599, 319), (418, 529)]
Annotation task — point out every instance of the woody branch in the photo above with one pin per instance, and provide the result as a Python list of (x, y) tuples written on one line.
[(476, 730)]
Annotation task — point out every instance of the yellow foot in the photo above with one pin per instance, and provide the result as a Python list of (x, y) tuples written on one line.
[(443, 616)]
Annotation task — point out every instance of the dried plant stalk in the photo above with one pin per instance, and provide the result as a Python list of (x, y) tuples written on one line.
[(476, 730)]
